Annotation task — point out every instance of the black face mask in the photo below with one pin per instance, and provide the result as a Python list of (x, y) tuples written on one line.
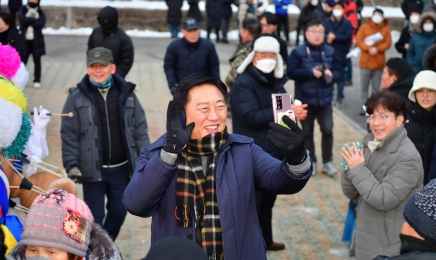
[(32, 5), (107, 26)]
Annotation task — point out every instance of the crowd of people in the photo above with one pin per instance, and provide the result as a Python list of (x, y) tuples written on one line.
[(213, 191)]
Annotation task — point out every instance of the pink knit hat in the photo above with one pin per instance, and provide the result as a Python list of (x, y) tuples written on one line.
[(60, 220)]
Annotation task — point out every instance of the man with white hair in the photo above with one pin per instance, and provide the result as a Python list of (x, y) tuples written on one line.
[(252, 111)]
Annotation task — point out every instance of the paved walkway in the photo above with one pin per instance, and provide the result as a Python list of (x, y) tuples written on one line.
[(310, 223)]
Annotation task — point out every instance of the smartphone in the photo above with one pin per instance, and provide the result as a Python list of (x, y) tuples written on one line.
[(282, 106)]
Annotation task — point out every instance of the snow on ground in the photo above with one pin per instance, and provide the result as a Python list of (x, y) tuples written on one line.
[(390, 12), (232, 35)]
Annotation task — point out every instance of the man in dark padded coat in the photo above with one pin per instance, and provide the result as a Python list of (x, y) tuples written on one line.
[(190, 54), (101, 143), (110, 36)]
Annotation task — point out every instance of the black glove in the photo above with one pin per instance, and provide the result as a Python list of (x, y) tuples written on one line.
[(177, 136), (75, 175), (291, 141)]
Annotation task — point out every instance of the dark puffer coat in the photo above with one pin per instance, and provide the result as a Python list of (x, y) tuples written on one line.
[(404, 38), (308, 89), (420, 41), (252, 107), (344, 33), (37, 24), (421, 130), (183, 58), (174, 14), (15, 39), (108, 35)]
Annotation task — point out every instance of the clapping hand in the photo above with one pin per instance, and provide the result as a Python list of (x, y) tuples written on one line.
[(291, 141), (352, 156)]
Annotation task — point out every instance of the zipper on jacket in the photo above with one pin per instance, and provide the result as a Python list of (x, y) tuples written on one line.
[(108, 129)]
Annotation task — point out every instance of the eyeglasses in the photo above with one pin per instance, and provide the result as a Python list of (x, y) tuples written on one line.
[(381, 118), (316, 32)]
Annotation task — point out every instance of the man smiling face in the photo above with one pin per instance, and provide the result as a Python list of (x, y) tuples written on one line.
[(206, 107)]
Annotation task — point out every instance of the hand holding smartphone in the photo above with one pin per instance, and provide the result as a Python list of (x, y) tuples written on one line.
[(282, 106)]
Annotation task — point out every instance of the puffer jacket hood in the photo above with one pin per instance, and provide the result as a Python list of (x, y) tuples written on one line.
[(108, 19), (422, 18)]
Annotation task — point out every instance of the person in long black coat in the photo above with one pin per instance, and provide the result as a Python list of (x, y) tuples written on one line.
[(408, 31), (174, 16), (305, 17), (32, 20), (14, 7), (9, 35), (214, 11), (110, 36), (194, 11), (226, 16)]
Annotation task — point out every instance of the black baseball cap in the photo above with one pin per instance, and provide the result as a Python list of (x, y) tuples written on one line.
[(190, 23), (99, 55)]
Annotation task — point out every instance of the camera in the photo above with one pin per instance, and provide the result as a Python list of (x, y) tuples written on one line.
[(326, 78)]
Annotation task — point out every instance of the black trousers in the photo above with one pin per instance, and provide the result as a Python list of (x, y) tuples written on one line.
[(264, 205), (324, 116), (36, 61), (283, 20), (217, 31)]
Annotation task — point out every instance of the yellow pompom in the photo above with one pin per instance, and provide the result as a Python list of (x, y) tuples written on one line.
[(10, 92)]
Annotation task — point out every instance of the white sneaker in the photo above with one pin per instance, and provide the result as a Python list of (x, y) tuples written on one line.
[(329, 169), (314, 169), (36, 84)]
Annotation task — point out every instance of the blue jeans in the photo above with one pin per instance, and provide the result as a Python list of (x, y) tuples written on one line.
[(174, 29), (340, 84), (114, 181), (349, 68)]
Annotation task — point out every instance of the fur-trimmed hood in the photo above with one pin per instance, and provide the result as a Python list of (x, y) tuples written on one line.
[(422, 18)]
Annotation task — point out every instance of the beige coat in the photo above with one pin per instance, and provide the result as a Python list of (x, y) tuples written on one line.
[(383, 184)]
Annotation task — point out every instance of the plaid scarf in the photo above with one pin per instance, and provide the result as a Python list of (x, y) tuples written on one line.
[(196, 192)]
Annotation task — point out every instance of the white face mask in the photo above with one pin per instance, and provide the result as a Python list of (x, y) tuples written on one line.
[(377, 19), (414, 19), (266, 65), (314, 2), (428, 27), (337, 13)]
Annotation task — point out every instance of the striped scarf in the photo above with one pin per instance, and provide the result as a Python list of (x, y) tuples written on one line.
[(196, 192)]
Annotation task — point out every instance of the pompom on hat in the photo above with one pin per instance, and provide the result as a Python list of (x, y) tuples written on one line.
[(15, 125), (424, 79), (11, 66), (58, 219), (264, 43), (420, 212)]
